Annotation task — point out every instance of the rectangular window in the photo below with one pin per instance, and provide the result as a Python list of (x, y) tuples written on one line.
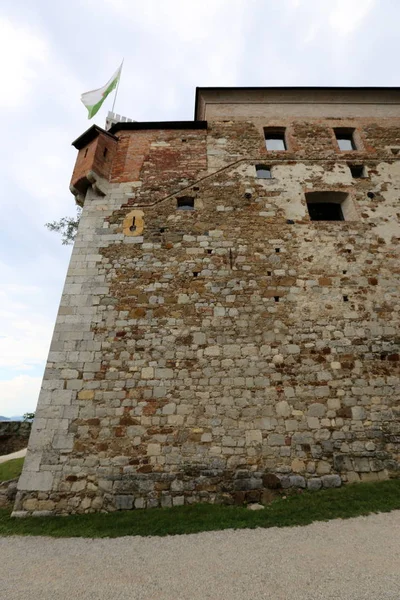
[(274, 139), (185, 203), (263, 172), (345, 139), (325, 211), (357, 171), (326, 206)]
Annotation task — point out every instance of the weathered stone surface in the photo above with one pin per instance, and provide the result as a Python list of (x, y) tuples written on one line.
[(331, 481), (314, 484), (232, 343), (297, 481), (271, 481)]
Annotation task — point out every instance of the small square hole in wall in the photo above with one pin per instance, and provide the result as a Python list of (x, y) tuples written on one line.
[(263, 172), (185, 203), (277, 250), (209, 251), (269, 273), (195, 273), (276, 298), (345, 139), (105, 152), (345, 298), (357, 171), (275, 138)]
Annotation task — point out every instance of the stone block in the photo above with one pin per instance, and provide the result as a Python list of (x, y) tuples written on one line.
[(153, 449), (199, 338), (253, 436), (86, 395), (161, 373), (212, 351), (314, 484), (283, 409), (124, 502), (298, 465), (293, 349), (357, 413), (331, 481), (147, 373), (178, 500), (297, 481), (41, 481), (316, 410), (271, 481)]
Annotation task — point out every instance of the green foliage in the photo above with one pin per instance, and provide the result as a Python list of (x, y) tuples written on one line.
[(297, 509), (67, 227), (11, 469), (29, 416)]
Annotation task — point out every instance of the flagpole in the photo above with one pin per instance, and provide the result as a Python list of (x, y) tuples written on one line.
[(116, 91)]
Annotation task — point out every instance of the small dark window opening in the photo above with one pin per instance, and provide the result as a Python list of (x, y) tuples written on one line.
[(345, 139), (325, 211), (133, 226), (277, 250), (195, 273), (371, 195), (162, 229), (263, 172), (184, 140), (185, 203), (86, 151), (269, 273), (209, 251), (357, 171), (344, 272), (105, 152), (274, 139), (325, 206), (345, 298), (276, 298)]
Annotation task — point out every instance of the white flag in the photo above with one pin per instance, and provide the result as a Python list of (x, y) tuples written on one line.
[(94, 99)]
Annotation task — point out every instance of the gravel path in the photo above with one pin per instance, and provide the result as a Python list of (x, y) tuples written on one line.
[(355, 559)]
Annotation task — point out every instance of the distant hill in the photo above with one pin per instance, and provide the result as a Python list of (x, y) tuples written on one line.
[(4, 418), (16, 418)]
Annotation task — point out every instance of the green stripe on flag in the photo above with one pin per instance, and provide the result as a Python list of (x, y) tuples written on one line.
[(92, 110)]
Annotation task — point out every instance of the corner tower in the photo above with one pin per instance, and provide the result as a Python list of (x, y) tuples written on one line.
[(230, 314)]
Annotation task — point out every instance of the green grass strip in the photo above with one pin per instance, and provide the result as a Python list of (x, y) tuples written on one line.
[(11, 469), (298, 509)]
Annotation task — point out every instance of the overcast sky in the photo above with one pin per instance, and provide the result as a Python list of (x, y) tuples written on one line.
[(52, 51)]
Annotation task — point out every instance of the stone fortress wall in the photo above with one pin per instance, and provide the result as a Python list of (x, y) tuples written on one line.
[(203, 355)]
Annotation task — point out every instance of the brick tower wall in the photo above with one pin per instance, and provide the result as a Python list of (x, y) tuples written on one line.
[(203, 355)]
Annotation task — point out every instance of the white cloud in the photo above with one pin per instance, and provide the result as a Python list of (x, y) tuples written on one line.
[(25, 333), (180, 44), (347, 15), (22, 56), (19, 395), (42, 168)]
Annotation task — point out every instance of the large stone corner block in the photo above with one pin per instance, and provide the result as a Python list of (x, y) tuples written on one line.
[(40, 482)]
